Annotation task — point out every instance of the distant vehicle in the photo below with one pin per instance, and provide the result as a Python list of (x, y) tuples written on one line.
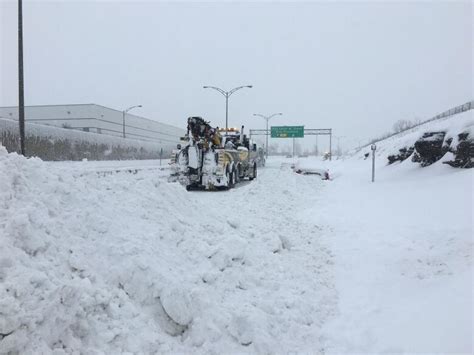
[(289, 156), (213, 158), (312, 171)]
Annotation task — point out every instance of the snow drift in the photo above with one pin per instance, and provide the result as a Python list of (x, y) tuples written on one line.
[(129, 263)]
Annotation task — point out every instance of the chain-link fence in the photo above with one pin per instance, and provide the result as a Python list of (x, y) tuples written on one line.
[(454, 111)]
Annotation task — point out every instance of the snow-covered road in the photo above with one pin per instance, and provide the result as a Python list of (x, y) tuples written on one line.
[(122, 262)]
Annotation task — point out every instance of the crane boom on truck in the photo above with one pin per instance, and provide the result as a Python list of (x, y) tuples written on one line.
[(212, 158)]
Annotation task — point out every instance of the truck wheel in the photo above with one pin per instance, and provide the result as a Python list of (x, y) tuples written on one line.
[(254, 175), (237, 172), (228, 177), (232, 178)]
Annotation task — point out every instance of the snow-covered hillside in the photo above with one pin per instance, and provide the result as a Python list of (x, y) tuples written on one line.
[(114, 263), (452, 125)]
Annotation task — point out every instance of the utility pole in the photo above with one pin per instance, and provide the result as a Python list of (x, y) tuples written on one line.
[(227, 95), (267, 118), (373, 147), (21, 87), (330, 145), (124, 112)]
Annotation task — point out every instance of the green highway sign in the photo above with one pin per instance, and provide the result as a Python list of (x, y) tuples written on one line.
[(287, 131)]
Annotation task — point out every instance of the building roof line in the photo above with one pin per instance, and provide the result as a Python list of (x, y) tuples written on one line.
[(15, 106), (93, 104)]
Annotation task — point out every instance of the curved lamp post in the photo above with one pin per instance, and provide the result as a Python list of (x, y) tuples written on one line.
[(124, 112), (267, 118), (227, 94)]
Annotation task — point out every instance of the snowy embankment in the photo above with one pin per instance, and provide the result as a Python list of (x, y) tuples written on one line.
[(61, 144), (110, 166), (114, 263), (452, 125), (403, 249), (131, 263)]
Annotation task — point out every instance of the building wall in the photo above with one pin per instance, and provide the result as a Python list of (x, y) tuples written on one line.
[(97, 119)]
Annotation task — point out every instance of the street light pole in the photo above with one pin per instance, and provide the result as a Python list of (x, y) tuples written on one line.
[(21, 88), (227, 95), (124, 112), (267, 118)]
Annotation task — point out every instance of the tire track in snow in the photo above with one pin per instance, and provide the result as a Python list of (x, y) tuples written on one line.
[(287, 278)]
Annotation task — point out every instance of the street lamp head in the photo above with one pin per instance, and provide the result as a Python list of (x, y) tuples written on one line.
[(250, 86)]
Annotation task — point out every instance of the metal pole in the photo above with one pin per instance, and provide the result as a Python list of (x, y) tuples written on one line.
[(227, 94), (124, 112), (226, 112), (373, 147), (267, 133), (21, 88), (330, 145), (266, 143), (293, 147), (123, 123), (373, 165)]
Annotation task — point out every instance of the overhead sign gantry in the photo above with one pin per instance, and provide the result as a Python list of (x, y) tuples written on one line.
[(294, 132), (287, 131)]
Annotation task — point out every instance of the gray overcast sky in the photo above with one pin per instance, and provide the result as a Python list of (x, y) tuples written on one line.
[(354, 66)]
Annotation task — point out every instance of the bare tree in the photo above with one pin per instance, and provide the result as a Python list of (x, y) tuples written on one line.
[(402, 125)]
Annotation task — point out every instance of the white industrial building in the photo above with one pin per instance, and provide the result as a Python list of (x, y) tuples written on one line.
[(97, 119)]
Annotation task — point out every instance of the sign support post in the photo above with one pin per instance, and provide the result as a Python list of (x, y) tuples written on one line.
[(373, 147), (330, 146)]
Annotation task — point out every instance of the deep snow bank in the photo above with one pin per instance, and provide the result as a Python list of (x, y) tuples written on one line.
[(130, 263)]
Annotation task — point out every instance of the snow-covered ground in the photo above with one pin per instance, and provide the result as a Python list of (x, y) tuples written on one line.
[(403, 257), (127, 262), (109, 166)]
